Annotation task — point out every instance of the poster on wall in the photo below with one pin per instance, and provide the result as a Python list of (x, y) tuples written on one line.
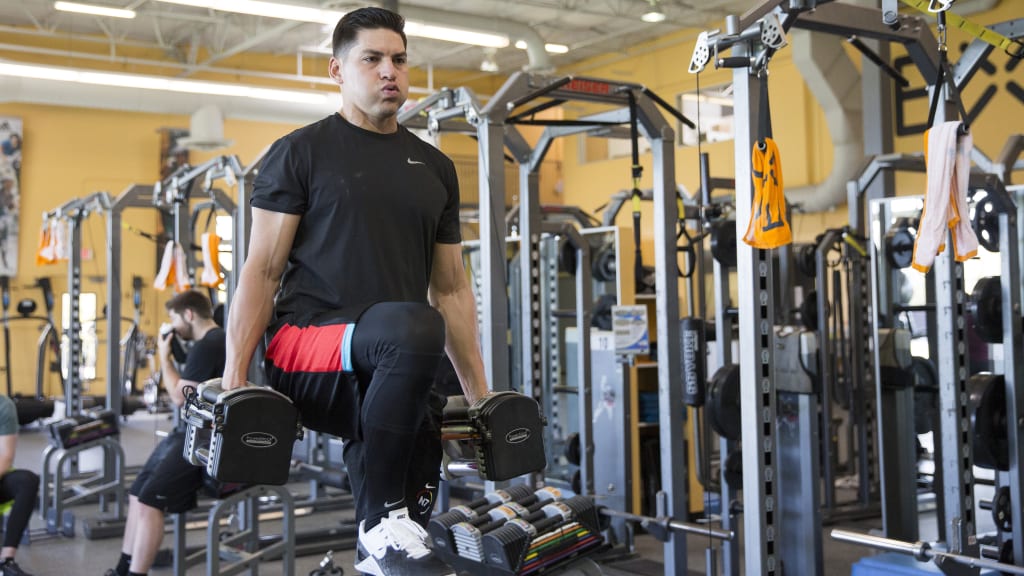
[(10, 193)]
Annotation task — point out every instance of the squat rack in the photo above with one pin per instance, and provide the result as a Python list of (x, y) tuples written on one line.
[(493, 127), (747, 36), (756, 314)]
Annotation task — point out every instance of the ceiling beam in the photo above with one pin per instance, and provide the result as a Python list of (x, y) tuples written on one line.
[(251, 42)]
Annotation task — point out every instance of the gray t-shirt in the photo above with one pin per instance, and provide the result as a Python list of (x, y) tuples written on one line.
[(8, 417)]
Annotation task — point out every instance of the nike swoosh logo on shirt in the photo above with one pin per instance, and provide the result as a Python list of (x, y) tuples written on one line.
[(393, 504), (414, 162)]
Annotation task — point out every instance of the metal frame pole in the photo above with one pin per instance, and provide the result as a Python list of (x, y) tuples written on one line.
[(756, 320), (494, 333), (723, 341), (673, 500), (73, 394), (1013, 372)]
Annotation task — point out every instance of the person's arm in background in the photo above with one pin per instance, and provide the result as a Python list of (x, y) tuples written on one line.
[(8, 445), (171, 379), (451, 295), (253, 303)]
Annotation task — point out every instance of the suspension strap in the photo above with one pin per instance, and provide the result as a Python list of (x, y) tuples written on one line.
[(1014, 48), (637, 195)]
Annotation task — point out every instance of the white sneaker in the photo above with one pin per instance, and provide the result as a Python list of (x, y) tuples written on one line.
[(397, 547)]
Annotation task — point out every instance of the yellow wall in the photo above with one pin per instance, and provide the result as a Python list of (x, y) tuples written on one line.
[(72, 152)]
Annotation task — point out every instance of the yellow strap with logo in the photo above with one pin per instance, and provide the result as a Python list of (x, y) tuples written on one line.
[(768, 227), (1014, 48)]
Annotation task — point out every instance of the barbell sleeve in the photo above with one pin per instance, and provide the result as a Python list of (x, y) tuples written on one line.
[(921, 550)]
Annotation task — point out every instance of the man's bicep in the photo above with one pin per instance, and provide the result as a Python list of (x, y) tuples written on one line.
[(447, 273), (271, 241)]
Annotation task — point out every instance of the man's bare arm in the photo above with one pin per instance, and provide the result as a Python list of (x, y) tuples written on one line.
[(450, 293), (253, 303)]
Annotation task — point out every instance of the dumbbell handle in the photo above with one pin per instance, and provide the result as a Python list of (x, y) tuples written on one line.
[(203, 455), (459, 432)]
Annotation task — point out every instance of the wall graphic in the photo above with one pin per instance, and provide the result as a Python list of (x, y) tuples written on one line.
[(10, 193)]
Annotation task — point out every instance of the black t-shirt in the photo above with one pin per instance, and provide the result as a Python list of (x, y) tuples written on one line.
[(206, 358), (373, 206)]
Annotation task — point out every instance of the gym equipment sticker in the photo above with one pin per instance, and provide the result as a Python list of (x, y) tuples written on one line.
[(629, 324)]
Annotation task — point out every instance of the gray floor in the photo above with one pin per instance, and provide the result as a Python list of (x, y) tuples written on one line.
[(60, 556)]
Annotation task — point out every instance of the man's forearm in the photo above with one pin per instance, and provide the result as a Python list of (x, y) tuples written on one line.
[(247, 322), (171, 378), (462, 341)]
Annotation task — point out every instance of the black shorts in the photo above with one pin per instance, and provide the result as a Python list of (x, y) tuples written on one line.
[(309, 359), (167, 481)]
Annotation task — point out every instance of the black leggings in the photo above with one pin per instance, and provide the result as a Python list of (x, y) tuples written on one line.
[(22, 486), (396, 349)]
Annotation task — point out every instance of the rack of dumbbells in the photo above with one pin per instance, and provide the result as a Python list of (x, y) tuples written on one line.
[(517, 531)]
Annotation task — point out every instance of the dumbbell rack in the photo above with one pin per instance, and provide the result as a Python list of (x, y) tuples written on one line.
[(516, 547)]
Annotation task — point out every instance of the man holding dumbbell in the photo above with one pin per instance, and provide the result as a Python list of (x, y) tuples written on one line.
[(168, 483), (355, 264)]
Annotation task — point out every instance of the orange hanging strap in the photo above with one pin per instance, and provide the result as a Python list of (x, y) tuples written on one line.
[(45, 254), (211, 260), (768, 227)]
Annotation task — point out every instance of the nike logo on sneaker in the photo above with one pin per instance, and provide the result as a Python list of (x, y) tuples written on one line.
[(413, 162)]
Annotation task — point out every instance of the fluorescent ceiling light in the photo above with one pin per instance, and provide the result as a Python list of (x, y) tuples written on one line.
[(455, 35), (654, 16), (552, 48), (94, 10), (159, 83), (266, 9), (308, 14)]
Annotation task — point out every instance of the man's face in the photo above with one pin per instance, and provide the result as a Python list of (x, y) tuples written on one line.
[(373, 75), (182, 324)]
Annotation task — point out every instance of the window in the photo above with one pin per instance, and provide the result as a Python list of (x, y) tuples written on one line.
[(597, 148), (87, 316), (716, 115)]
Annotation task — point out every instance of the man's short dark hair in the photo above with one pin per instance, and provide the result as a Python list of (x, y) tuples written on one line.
[(364, 19), (192, 300)]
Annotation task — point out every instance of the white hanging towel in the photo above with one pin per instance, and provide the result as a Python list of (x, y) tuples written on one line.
[(948, 156), (165, 276), (181, 280), (173, 269)]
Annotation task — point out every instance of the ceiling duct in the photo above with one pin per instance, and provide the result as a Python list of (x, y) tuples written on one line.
[(835, 82)]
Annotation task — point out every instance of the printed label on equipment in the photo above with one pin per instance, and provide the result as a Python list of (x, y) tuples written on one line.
[(517, 436), (629, 323), (258, 440)]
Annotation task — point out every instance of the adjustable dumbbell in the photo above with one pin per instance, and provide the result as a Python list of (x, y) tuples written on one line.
[(463, 537), (546, 536), (252, 430), (502, 433), (469, 536), (440, 526), (86, 427)]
